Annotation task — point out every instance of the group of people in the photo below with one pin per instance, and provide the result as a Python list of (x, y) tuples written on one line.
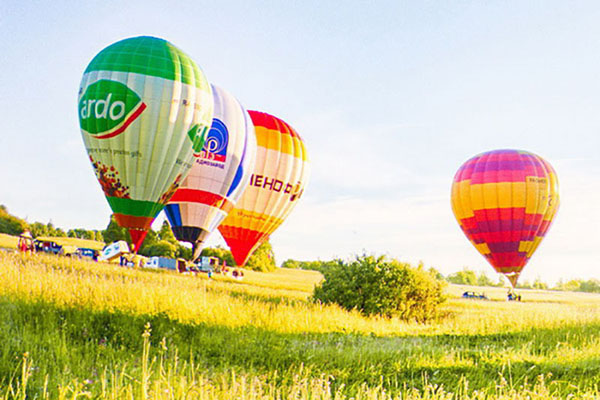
[(131, 260), (26, 242), (512, 296)]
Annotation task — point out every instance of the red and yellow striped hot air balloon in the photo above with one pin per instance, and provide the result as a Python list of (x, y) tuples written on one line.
[(504, 201), (278, 181)]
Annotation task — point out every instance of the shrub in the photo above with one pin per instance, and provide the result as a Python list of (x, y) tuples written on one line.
[(320, 266), (381, 286), (162, 248), (263, 259), (464, 277), (469, 277), (10, 224)]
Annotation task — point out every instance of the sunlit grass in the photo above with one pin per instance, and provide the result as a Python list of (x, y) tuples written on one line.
[(274, 305), (72, 241), (261, 337), (163, 374), (8, 241)]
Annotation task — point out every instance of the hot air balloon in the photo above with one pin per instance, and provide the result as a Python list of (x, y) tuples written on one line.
[(219, 176), (278, 181), (144, 108), (504, 201)]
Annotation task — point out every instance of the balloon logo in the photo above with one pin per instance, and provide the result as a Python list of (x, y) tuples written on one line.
[(504, 202), (215, 147), (219, 175), (143, 107), (107, 108)]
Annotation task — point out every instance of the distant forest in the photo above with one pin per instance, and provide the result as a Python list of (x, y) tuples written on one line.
[(157, 243), (470, 277)]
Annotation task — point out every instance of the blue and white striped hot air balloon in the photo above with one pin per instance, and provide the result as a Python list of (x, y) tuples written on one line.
[(220, 173)]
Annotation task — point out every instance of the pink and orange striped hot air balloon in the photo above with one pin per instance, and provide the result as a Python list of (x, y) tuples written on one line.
[(504, 201), (277, 183)]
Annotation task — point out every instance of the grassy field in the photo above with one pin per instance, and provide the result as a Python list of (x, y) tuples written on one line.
[(74, 329), (10, 242), (77, 242)]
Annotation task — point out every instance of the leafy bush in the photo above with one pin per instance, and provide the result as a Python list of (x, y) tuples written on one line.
[(114, 232), (292, 264), (263, 259), (320, 266), (162, 248), (578, 285), (10, 224), (470, 277), (381, 286)]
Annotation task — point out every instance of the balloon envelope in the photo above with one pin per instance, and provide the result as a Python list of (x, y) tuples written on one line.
[(278, 181), (144, 106), (219, 176), (504, 201)]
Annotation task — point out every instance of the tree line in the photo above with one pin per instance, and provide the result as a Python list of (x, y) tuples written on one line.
[(160, 243), (13, 225), (469, 277)]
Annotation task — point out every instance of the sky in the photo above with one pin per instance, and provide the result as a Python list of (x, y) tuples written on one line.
[(390, 97)]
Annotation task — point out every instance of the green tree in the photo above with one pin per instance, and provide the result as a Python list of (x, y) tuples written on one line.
[(309, 265), (381, 286), (263, 259), (293, 264), (98, 236), (538, 284), (38, 229), (150, 240), (165, 233), (81, 234), (10, 224), (590, 286), (162, 248), (114, 232), (183, 252), (55, 231), (438, 275), (524, 285), (484, 280), (464, 277)]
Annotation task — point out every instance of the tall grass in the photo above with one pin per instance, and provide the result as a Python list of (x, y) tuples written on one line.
[(8, 241), (279, 307), (165, 375), (84, 328)]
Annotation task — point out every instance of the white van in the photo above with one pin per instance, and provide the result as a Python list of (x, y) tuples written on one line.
[(114, 250)]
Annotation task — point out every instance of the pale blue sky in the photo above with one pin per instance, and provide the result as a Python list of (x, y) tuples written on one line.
[(391, 98)]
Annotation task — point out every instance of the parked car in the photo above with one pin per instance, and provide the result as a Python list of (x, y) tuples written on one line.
[(68, 251), (474, 295), (114, 250), (161, 262), (87, 253), (206, 264), (47, 246)]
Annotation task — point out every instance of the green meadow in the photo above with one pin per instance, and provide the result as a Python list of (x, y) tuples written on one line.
[(73, 329)]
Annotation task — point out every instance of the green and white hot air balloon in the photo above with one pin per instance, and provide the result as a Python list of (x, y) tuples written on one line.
[(144, 110)]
